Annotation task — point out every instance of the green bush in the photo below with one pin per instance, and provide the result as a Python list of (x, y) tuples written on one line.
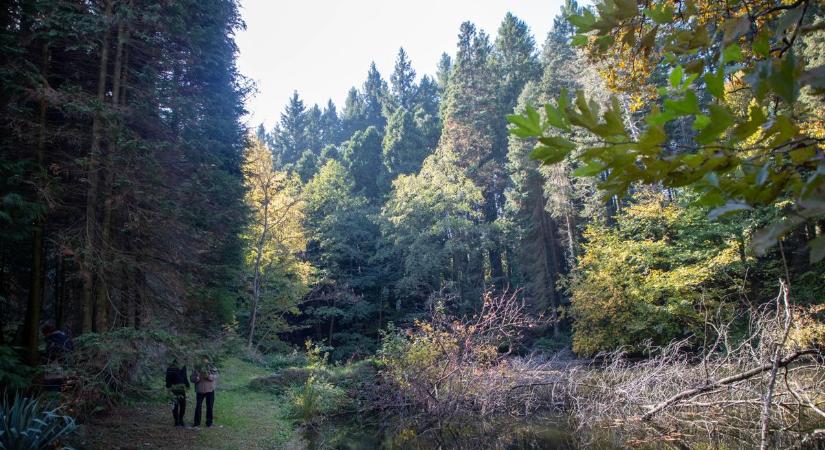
[(26, 425), (316, 398), (14, 375)]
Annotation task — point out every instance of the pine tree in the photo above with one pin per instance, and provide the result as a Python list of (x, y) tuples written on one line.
[(376, 94), (471, 119), (362, 157), (404, 146), (403, 81), (290, 138), (353, 118), (330, 125), (442, 76)]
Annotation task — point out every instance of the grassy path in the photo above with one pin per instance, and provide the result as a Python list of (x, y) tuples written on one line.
[(244, 419)]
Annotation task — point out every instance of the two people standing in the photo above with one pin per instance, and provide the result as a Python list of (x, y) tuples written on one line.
[(204, 377)]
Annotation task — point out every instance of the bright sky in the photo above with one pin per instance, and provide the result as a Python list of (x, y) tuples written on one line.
[(323, 47)]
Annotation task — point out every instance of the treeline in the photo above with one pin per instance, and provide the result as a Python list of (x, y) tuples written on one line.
[(120, 165), (417, 188)]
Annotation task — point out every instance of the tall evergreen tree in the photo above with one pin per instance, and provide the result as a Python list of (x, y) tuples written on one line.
[(445, 68), (471, 119), (362, 157), (403, 81), (404, 146), (376, 94), (330, 125), (353, 118), (290, 137)]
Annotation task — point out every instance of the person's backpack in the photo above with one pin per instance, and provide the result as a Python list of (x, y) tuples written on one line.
[(194, 377)]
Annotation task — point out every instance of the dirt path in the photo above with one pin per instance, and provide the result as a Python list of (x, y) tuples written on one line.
[(244, 419)]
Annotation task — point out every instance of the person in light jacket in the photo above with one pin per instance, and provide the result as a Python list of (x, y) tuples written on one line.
[(205, 378)]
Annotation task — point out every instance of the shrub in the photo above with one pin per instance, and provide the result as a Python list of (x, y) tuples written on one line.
[(14, 375), (26, 425), (316, 398)]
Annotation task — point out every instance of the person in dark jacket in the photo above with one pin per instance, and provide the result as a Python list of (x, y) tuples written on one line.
[(177, 383), (58, 343)]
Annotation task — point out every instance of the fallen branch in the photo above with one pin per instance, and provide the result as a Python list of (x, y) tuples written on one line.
[(690, 393)]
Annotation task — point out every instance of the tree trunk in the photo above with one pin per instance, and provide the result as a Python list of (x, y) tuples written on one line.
[(548, 256), (256, 281), (35, 304), (90, 236), (103, 303), (496, 268), (59, 287)]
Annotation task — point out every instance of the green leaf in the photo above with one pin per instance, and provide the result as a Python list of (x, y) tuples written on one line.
[(548, 155), (789, 18), (715, 83), (781, 129), (817, 249), (649, 38), (729, 208), (756, 119), (762, 45), (652, 138), (676, 76), (694, 161), (732, 53), (625, 9), (783, 80), (813, 182), (720, 119), (734, 28), (584, 22), (579, 40), (558, 142), (612, 126), (662, 15), (592, 168), (802, 155), (701, 122), (767, 237), (556, 117), (527, 124), (687, 105)]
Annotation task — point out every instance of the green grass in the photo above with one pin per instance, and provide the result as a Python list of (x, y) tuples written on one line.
[(244, 418)]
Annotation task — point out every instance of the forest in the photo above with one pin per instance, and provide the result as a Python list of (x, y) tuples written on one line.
[(611, 236)]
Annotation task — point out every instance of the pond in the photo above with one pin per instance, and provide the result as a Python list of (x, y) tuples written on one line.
[(501, 433)]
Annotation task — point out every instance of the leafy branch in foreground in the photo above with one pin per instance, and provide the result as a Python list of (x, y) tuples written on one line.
[(737, 72)]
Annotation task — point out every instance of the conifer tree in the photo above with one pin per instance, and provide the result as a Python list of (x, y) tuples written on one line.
[(404, 146), (403, 81), (290, 138), (330, 125), (353, 118), (362, 157), (376, 94)]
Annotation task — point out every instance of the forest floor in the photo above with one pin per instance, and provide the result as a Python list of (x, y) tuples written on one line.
[(244, 419)]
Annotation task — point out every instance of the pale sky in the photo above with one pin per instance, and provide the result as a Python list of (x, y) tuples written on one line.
[(321, 48)]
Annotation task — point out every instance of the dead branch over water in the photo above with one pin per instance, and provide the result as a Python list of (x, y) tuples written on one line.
[(761, 388)]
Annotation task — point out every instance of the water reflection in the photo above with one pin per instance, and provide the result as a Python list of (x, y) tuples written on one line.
[(503, 433)]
